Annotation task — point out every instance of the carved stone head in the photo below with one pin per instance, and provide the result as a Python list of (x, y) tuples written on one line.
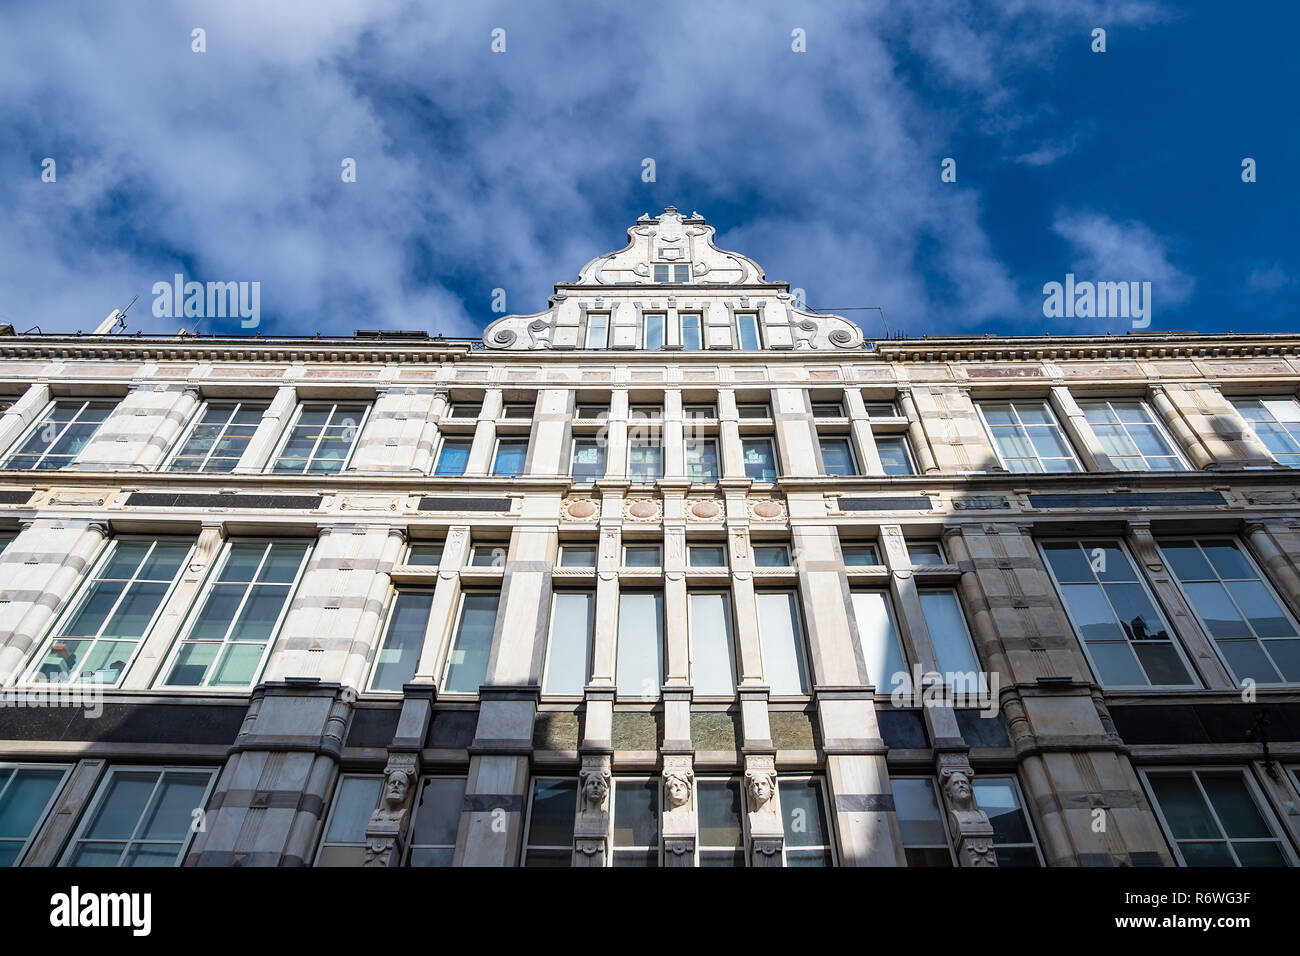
[(595, 787), (759, 787), (956, 786), (677, 787), (396, 785)]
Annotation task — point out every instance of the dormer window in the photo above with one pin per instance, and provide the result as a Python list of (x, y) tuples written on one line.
[(652, 331), (672, 273), (747, 332), (597, 330)]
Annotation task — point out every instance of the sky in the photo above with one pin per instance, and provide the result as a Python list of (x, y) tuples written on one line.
[(813, 136)]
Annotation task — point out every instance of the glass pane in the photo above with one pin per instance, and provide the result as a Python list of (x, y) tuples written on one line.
[(707, 557), (639, 668), (837, 458), (948, 633), (437, 813), (1220, 615), (242, 561), (919, 817), (860, 555), (1228, 560), (572, 620), (1234, 806), (135, 611), (172, 815), (925, 554), (783, 655), (94, 609), (96, 854), (641, 557), (425, 555), (1092, 615), (636, 813), (257, 619), (803, 813), (712, 671), (771, 557), (893, 455), (119, 811), (551, 820), (25, 800), (152, 854), (397, 659), (1135, 612), (1117, 665), (719, 812), (192, 664), (1263, 612), (238, 665), (357, 798), (1184, 808), (1186, 561), (998, 799), (880, 649), (281, 565), (453, 458), (467, 668), (577, 556)]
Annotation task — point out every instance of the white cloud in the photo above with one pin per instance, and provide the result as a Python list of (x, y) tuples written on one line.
[(1105, 250)]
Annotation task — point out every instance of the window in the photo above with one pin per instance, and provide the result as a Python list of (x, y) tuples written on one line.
[(466, 667), (517, 411), (588, 459), (468, 411), (747, 332), (807, 831), (141, 816), (645, 460), (712, 667), (61, 434), (920, 818), (652, 331), (240, 614), (702, 460), (881, 410), (568, 651), (550, 823), (639, 664), (692, 332), (114, 611), (881, 652), (578, 556), (860, 556), (218, 436), (781, 632), (425, 555), (489, 554), (321, 438), (646, 412), (510, 457), (435, 820), (355, 798), (1121, 630), (706, 556), (894, 455), (760, 410), (1013, 837), (828, 409), (952, 645), (760, 459), (925, 553), (1131, 437), (597, 330), (453, 458), (5, 541), (588, 412), (1217, 818), (672, 273), (641, 556), (1275, 422), (399, 653), (1027, 437), (771, 556), (837, 457), (635, 822), (26, 795), (699, 410), (721, 839), (1256, 637)]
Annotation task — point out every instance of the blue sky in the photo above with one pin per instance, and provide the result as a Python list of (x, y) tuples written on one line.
[(479, 170)]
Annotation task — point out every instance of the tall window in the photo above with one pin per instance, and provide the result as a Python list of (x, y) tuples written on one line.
[(1256, 636), (510, 457), (635, 822), (721, 840), (692, 331), (672, 273), (218, 436), (837, 457), (779, 627), (435, 820), (355, 798), (652, 330), (702, 460), (747, 337), (920, 818), (1013, 837), (568, 651), (952, 644), (894, 455), (881, 651), (1276, 423), (807, 829), (1027, 437), (114, 611), (26, 795), (60, 435), (321, 438), (597, 330), (467, 661), (1131, 437), (760, 459), (550, 822), (399, 654), (639, 668), (141, 816), (453, 458), (1217, 818), (240, 614), (1117, 623), (712, 663), (645, 460), (588, 459)]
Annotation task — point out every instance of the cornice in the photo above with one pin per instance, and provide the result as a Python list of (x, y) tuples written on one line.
[(1088, 348), (171, 348)]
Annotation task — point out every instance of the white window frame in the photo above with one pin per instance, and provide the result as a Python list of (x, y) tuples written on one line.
[(661, 638), (771, 446), (699, 330), (445, 670), (1250, 425), (965, 627), (672, 268), (235, 405), (442, 445), (192, 616), (573, 456), (907, 453), (883, 683), (642, 544), (593, 547), (803, 656), (44, 815), (13, 450), (645, 443), (853, 455), (1152, 419), (496, 452), (688, 449), (269, 468), (645, 330), (740, 338), (604, 323), (1056, 422)]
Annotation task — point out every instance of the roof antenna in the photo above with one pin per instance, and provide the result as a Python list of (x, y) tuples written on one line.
[(114, 321)]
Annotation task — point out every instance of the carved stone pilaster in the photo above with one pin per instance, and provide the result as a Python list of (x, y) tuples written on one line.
[(763, 807), (679, 815), (386, 831), (591, 828), (970, 825)]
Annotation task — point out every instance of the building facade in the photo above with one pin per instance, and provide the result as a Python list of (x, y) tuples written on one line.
[(674, 573)]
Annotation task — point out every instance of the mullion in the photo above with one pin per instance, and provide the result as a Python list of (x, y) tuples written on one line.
[(126, 588), (324, 429), (234, 617), (1262, 643), (144, 813), (1214, 815), (45, 453), (216, 441)]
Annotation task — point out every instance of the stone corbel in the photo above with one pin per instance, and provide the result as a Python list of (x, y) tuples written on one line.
[(971, 830), (386, 831), (679, 810), (766, 831), (591, 828)]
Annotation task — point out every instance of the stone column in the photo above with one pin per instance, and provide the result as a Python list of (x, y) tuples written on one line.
[(796, 433), (1177, 425), (276, 418), (591, 827), (485, 434), (615, 434), (442, 614), (916, 432), (270, 799), (367, 635), (426, 445), (862, 434), (549, 440), (18, 416), (1080, 433), (731, 451), (672, 435), (399, 435)]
